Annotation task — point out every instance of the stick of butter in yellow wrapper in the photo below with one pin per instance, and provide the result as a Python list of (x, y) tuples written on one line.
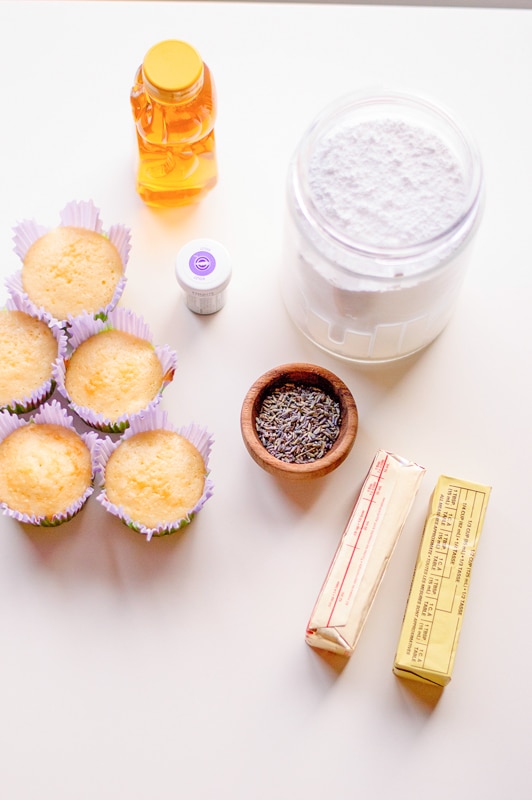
[(362, 556), (435, 606)]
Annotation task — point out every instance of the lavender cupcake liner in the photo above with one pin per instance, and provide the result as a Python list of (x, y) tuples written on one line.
[(49, 413), (23, 405), (156, 419), (123, 319), (80, 214)]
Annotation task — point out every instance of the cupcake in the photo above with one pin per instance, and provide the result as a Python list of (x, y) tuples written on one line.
[(72, 268), (155, 478), (46, 467), (114, 372), (29, 348)]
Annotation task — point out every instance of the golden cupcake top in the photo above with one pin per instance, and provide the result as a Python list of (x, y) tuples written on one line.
[(28, 349), (70, 269), (44, 469), (155, 477), (113, 372)]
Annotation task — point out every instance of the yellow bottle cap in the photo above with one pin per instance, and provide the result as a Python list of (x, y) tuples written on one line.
[(173, 70)]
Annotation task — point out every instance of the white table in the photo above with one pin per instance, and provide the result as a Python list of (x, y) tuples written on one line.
[(178, 668)]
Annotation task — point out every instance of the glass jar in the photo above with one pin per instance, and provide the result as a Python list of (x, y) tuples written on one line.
[(173, 101), (384, 196)]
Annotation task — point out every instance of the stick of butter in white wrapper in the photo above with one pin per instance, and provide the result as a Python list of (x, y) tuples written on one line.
[(434, 610), (362, 556)]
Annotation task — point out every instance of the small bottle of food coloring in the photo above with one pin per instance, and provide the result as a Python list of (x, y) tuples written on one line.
[(173, 100), (203, 270)]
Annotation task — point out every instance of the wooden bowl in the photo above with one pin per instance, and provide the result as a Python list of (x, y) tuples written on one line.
[(310, 375)]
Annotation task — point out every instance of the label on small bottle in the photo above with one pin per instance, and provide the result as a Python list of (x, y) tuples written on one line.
[(202, 263)]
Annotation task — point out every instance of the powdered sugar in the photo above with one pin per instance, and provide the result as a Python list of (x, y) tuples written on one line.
[(384, 195), (386, 182)]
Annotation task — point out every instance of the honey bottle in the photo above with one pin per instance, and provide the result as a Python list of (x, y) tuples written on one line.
[(174, 107)]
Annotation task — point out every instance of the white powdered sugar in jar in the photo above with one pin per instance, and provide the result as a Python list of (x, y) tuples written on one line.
[(384, 194), (386, 182)]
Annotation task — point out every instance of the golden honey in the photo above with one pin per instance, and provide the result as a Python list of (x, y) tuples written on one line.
[(174, 107)]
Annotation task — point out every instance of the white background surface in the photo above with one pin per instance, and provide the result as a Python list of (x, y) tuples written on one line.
[(178, 668)]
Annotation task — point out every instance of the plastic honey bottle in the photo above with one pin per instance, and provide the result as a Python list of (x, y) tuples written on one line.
[(174, 108)]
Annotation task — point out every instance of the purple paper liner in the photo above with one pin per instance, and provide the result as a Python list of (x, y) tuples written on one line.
[(49, 413), (22, 405), (123, 319), (80, 214), (156, 419)]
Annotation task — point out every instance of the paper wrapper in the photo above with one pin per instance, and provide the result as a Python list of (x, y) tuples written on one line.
[(123, 319), (155, 419), (83, 214), (435, 608), (363, 554), (22, 405), (49, 413)]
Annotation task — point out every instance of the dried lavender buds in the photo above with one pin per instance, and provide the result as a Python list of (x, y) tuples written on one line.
[(298, 423)]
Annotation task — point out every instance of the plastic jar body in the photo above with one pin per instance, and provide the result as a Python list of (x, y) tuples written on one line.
[(173, 101), (376, 300)]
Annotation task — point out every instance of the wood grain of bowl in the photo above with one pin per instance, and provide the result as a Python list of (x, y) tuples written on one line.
[(302, 374)]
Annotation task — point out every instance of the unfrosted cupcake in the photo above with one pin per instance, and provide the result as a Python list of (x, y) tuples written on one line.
[(29, 348), (72, 268), (114, 371), (155, 478), (46, 467)]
